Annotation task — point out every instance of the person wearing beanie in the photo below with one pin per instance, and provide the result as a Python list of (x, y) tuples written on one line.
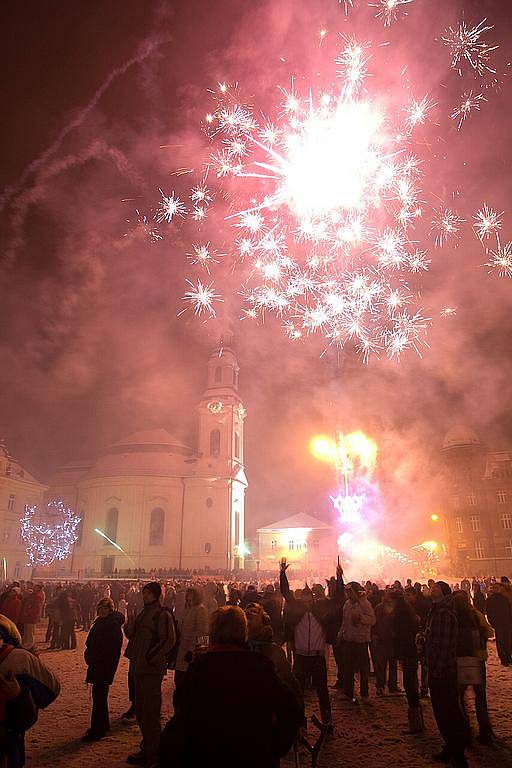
[(151, 636), (441, 651)]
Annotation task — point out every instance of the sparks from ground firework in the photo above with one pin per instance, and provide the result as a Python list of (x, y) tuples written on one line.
[(170, 206), (203, 256), (487, 222), (201, 298), (445, 224), (469, 102), (347, 5), (500, 260), (466, 47), (417, 112), (389, 11)]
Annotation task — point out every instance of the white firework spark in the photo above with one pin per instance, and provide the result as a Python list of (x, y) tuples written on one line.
[(389, 11), (201, 298), (500, 260), (201, 195), (203, 256), (487, 222), (469, 102), (170, 206), (445, 224), (468, 49), (417, 112)]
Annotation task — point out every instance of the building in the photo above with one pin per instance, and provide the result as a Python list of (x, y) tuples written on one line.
[(150, 502), (18, 488), (477, 504), (304, 541)]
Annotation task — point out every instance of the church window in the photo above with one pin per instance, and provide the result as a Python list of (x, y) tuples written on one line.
[(6, 536), (209, 502), (207, 548), (237, 445), (12, 502), (156, 526), (218, 375), (475, 522), (501, 497), (458, 525), (215, 442), (273, 544), (506, 520), (111, 526)]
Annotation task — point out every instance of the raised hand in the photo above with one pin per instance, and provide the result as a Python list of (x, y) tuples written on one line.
[(283, 565)]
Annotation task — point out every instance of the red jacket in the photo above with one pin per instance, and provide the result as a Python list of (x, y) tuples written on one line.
[(31, 607), (11, 607)]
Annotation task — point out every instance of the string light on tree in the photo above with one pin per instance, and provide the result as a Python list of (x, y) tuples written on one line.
[(49, 534)]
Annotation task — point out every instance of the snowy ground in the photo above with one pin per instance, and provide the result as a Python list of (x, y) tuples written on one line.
[(366, 735)]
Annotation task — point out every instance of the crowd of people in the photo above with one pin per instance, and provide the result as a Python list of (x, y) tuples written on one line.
[(244, 654)]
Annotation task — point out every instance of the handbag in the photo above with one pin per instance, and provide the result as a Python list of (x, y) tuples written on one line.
[(469, 670)]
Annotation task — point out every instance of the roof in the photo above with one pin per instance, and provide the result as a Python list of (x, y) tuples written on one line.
[(152, 440), (460, 436), (300, 520)]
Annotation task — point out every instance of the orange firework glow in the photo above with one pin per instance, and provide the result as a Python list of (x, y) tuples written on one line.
[(347, 452)]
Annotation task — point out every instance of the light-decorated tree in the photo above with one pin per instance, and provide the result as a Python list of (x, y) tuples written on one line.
[(49, 533)]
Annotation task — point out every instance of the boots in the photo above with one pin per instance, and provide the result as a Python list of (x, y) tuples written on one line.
[(415, 717)]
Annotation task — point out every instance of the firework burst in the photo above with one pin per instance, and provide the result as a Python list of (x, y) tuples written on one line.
[(500, 260), (487, 222), (445, 225), (201, 298), (469, 102), (467, 49), (170, 206), (389, 11)]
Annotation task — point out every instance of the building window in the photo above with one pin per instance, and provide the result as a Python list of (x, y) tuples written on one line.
[(273, 544), (456, 502), (218, 375), (291, 544), (472, 500), (215, 442), (12, 502), (501, 497), (207, 548), (479, 550), (17, 569), (237, 445), (156, 526), (475, 522), (458, 525), (508, 548), (6, 536), (209, 502), (506, 520), (111, 526), (315, 543)]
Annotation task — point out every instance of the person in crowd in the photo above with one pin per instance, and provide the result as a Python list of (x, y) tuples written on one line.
[(263, 713), (472, 636), (384, 645), (272, 606), (209, 601), (53, 631), (441, 652), (11, 604), (506, 588), (234, 597), (193, 626), (151, 636), (170, 598), (102, 652), (251, 595), (122, 605), (406, 624), (312, 621), (86, 600), (421, 605), (479, 599), (30, 614), (66, 605), (26, 685), (358, 619), (499, 613)]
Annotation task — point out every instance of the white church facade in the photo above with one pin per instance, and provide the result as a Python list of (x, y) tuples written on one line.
[(150, 502)]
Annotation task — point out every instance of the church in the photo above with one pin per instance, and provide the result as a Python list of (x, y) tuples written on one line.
[(150, 502)]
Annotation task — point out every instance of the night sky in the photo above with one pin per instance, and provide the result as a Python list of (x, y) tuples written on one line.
[(101, 103)]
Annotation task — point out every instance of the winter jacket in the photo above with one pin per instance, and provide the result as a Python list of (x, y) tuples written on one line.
[(326, 611), (150, 638), (358, 620), (384, 629), (486, 633), (281, 664), (32, 607), (228, 696), (479, 601), (11, 606), (103, 648), (441, 639), (499, 611), (406, 624), (195, 622)]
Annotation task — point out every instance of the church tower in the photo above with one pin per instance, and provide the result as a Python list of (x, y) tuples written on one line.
[(221, 417)]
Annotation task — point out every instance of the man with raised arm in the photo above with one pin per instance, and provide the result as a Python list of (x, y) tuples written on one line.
[(311, 620)]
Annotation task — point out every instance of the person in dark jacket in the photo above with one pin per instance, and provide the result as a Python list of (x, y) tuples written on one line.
[(406, 625), (314, 623), (230, 685), (86, 600), (499, 614), (479, 599), (383, 636), (441, 652), (102, 653)]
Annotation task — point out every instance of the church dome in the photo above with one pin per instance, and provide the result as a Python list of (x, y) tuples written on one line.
[(150, 452), (461, 436)]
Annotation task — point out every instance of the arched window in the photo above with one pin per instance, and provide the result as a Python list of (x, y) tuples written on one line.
[(209, 502), (207, 548), (218, 374), (111, 525), (237, 445), (235, 377), (156, 526), (215, 442)]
